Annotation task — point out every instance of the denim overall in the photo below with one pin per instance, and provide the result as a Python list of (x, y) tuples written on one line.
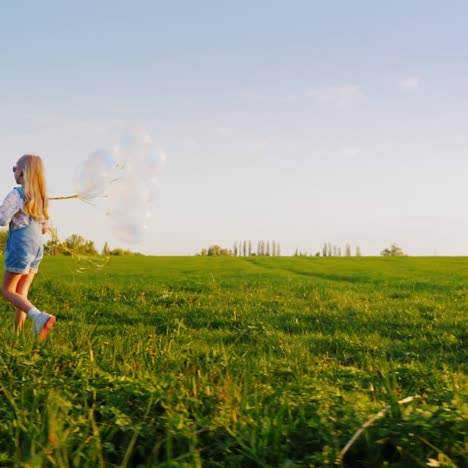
[(24, 248)]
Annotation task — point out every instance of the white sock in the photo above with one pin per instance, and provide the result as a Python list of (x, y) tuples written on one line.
[(34, 313)]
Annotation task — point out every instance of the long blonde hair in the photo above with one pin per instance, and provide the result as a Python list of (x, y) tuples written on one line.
[(34, 183)]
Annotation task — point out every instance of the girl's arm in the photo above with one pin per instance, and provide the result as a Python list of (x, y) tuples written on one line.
[(45, 227), (10, 206)]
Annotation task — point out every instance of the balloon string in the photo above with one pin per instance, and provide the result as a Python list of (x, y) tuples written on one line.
[(80, 197), (69, 197), (73, 253)]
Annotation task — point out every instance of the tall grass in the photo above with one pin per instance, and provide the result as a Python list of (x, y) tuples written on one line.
[(240, 362)]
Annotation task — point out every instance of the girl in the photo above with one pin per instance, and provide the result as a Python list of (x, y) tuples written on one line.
[(25, 209)]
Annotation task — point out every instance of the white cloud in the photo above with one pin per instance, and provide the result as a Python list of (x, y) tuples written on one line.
[(337, 96), (410, 82)]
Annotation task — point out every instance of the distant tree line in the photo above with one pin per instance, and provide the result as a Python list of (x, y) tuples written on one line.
[(244, 249), (76, 244), (329, 250), (73, 244), (273, 249), (215, 251), (264, 249)]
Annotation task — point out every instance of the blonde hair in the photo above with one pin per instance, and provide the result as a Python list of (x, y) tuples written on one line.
[(37, 203)]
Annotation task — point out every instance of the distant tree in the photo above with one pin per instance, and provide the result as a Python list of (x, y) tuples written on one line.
[(126, 252), (317, 254), (203, 252), (296, 252), (213, 250), (234, 250), (74, 243), (278, 249), (393, 251), (358, 251), (250, 248), (53, 247), (105, 249), (267, 248), (324, 250), (217, 251), (261, 250), (119, 252), (329, 250), (3, 239), (89, 248), (339, 251), (244, 248), (348, 250)]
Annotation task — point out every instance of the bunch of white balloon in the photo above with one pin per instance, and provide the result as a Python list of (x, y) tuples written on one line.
[(125, 179)]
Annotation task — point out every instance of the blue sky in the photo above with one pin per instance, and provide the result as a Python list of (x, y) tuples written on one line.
[(302, 122)]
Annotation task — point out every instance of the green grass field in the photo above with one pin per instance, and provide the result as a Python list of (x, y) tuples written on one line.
[(204, 361)]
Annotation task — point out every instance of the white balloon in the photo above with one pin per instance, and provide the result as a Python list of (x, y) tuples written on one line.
[(95, 174), (129, 193), (126, 180), (153, 187), (102, 161), (133, 148), (90, 184)]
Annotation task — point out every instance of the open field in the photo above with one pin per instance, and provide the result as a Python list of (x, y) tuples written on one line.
[(204, 361)]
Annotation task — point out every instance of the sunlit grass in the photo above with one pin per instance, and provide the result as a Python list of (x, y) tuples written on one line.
[(240, 362)]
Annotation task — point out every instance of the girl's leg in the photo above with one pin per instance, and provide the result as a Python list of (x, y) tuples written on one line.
[(43, 322), (23, 288), (10, 284), (20, 318)]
